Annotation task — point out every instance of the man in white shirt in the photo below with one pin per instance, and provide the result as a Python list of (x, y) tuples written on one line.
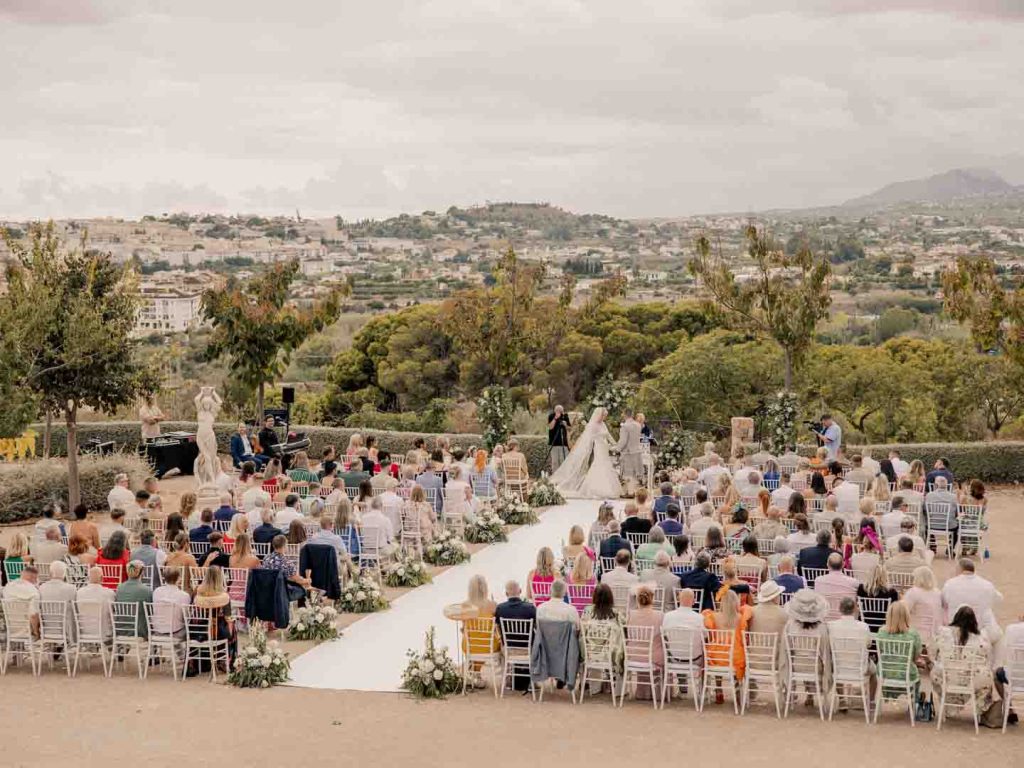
[(849, 627), (326, 535), (748, 483), (831, 437), (847, 498), (892, 521), (908, 530), (620, 575), (942, 502), (337, 492), (150, 416), (709, 477), (56, 589), (782, 494), (870, 466), (858, 475), (49, 549), (684, 617), (284, 518), (375, 518), (93, 601), (706, 521), (254, 492), (970, 589), (556, 609), (25, 589), (696, 510), (121, 495), (169, 621), (899, 466)]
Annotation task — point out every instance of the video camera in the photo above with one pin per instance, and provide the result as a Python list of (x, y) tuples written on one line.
[(816, 427)]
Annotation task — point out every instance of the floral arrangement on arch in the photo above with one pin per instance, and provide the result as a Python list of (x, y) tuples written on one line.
[(362, 595), (494, 412), (315, 621), (612, 394), (446, 549), (487, 528), (544, 494), (511, 508), (676, 448), (260, 664), (431, 674), (780, 419), (407, 571)]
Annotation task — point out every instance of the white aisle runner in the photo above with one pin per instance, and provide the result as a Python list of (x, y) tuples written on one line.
[(370, 656)]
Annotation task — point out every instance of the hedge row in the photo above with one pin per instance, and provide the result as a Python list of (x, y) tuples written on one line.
[(126, 435), (26, 489), (993, 462)]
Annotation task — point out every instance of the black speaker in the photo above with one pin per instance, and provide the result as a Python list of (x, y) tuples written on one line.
[(287, 395)]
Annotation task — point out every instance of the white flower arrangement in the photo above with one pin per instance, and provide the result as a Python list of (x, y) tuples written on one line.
[(362, 595), (544, 494), (406, 571), (315, 621), (494, 412), (675, 450), (431, 674), (488, 527), (780, 421), (612, 394), (513, 510), (446, 549), (260, 664)]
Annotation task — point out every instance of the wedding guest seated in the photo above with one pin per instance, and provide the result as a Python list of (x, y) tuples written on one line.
[(583, 572), (622, 574), (644, 506), (908, 530), (300, 471), (655, 543), (577, 545), (661, 575), (897, 627), (730, 614), (891, 521), (133, 590), (375, 518), (772, 527), (750, 555), (429, 480), (807, 611), (48, 549), (114, 553), (967, 588), (768, 615), (714, 545), (84, 527), (25, 589), (515, 607), (605, 514), (557, 608), (671, 524), (212, 594), (633, 523), (116, 524), (296, 585), (150, 555), (201, 533), (780, 548), (225, 511), (865, 551), (170, 622), (95, 620), (326, 535), (613, 543), (266, 532), (696, 510), (684, 617), (706, 521), (737, 528), (646, 614), (690, 484), (965, 631), (787, 577), (849, 627), (661, 503), (216, 555), (181, 558), (284, 518), (906, 560), (730, 581), (699, 577), (802, 537), (835, 584), (818, 555), (242, 555), (542, 573)]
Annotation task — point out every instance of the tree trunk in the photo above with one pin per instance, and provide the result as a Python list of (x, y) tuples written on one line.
[(74, 485), (47, 433), (789, 371), (259, 405)]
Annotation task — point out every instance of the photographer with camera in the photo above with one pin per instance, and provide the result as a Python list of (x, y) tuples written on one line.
[(558, 436), (829, 434)]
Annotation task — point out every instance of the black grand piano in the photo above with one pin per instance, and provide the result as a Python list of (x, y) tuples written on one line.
[(173, 450), (296, 441)]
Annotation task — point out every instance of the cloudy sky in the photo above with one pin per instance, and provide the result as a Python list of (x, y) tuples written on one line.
[(639, 108)]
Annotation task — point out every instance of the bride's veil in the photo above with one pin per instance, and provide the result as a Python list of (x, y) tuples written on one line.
[(571, 474)]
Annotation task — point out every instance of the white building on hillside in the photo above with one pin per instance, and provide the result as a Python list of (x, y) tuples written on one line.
[(168, 311)]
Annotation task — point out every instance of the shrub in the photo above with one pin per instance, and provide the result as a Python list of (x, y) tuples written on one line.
[(26, 489)]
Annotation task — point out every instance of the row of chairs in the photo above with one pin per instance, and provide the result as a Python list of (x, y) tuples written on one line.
[(110, 631)]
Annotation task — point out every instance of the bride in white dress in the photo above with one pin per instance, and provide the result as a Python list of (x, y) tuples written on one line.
[(587, 473)]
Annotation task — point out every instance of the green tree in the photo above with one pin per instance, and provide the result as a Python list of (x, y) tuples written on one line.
[(895, 321), (975, 295), (783, 300), (257, 328), (66, 323)]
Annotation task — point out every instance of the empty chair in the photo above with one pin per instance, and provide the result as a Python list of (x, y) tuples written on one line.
[(1013, 691)]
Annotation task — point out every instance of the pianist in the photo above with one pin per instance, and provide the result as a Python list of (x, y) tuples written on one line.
[(241, 448), (268, 439)]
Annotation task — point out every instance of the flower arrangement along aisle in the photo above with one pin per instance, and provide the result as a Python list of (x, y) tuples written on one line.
[(362, 595), (486, 528), (406, 571), (315, 621), (260, 664), (431, 674), (544, 494), (514, 511), (446, 549)]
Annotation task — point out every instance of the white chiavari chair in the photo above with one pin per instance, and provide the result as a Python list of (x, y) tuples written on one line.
[(1013, 691), (482, 648), (580, 596), (961, 666), (639, 661), (56, 631), (164, 645), (684, 662), (19, 640), (803, 653), (200, 643), (127, 639), (599, 640), (719, 658), (92, 627), (939, 514), (850, 674), (517, 637), (895, 659), (762, 654)]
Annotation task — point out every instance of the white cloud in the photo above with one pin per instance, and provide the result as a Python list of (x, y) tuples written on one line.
[(675, 107)]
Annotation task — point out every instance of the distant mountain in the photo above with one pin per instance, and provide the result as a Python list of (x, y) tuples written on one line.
[(941, 188)]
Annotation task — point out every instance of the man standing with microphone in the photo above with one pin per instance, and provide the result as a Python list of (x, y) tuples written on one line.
[(558, 437)]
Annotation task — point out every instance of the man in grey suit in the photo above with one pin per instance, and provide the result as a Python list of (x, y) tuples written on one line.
[(630, 455)]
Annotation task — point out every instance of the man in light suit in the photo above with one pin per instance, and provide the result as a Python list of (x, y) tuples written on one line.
[(631, 460)]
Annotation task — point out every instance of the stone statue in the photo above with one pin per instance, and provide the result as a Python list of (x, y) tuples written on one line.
[(207, 465)]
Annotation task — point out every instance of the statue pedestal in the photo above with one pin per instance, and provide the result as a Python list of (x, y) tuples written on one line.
[(207, 497)]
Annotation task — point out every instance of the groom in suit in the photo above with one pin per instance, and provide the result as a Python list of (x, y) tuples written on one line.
[(631, 460)]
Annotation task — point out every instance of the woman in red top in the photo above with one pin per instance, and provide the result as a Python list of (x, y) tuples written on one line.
[(114, 553)]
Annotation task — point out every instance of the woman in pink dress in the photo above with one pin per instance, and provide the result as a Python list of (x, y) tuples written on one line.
[(544, 573)]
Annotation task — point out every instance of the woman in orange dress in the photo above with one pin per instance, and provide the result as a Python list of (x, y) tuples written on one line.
[(730, 615)]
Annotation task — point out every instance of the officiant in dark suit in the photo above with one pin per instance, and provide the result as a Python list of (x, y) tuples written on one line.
[(558, 436)]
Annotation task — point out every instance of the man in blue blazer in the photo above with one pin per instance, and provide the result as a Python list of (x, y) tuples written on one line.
[(241, 449)]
